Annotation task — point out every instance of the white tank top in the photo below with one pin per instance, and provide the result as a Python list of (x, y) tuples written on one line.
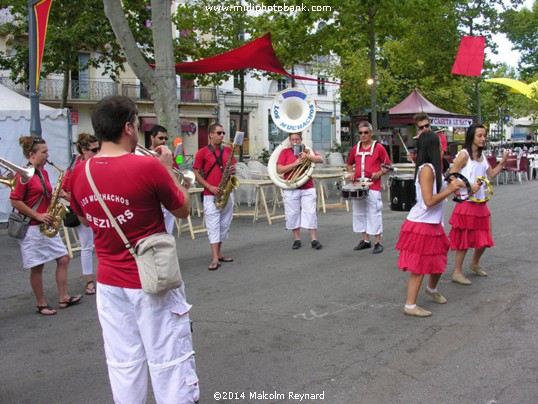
[(472, 170), (420, 212)]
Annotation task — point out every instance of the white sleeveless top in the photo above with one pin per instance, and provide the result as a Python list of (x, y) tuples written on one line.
[(472, 171), (420, 212)]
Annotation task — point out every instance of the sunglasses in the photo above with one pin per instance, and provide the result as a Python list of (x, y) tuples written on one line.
[(94, 150), (424, 126), (364, 133), (220, 132), (162, 138), (38, 140)]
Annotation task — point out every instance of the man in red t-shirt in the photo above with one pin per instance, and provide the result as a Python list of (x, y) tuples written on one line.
[(139, 330), (423, 123), (299, 204), (365, 161), (209, 165)]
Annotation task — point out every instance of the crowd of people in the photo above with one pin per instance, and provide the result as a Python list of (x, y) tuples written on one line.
[(135, 323)]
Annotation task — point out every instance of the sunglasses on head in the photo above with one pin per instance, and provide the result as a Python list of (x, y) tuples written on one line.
[(364, 133), (424, 126), (162, 138), (220, 132), (94, 150), (38, 140)]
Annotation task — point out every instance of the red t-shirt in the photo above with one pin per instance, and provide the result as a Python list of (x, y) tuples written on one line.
[(30, 193), (133, 188), (205, 159), (287, 157), (66, 185), (372, 163)]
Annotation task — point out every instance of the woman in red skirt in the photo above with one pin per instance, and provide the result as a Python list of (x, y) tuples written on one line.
[(423, 244), (471, 222)]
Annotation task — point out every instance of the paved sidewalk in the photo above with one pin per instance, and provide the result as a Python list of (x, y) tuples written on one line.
[(308, 322)]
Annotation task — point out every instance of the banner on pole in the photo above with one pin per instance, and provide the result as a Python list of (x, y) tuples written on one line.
[(41, 10)]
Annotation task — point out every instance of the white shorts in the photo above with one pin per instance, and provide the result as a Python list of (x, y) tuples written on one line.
[(142, 331), (37, 249), (217, 222), (367, 214), (300, 208)]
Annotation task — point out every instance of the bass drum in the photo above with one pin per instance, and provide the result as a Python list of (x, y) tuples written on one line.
[(402, 192)]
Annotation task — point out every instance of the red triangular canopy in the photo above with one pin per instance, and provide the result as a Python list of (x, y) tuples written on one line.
[(415, 103), (258, 54)]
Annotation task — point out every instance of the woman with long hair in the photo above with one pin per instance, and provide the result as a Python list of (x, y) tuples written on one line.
[(32, 199), (471, 222), (87, 146), (422, 243)]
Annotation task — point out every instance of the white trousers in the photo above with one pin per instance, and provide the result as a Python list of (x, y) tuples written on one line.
[(85, 236), (367, 214), (217, 222), (300, 208), (169, 221), (141, 331)]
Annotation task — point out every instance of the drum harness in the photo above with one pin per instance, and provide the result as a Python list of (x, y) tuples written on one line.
[(364, 154)]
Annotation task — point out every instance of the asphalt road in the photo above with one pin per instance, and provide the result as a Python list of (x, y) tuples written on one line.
[(305, 322)]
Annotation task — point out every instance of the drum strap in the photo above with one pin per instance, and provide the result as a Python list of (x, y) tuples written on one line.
[(364, 154)]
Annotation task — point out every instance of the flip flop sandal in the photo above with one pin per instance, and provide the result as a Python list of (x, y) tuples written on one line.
[(71, 301), (40, 310), (226, 259), (90, 291), (213, 266)]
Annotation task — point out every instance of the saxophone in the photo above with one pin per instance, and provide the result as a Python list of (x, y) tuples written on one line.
[(56, 208), (227, 183)]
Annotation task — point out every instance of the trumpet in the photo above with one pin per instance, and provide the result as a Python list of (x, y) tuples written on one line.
[(186, 177), (8, 178)]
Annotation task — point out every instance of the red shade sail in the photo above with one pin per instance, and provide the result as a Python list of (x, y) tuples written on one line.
[(470, 58)]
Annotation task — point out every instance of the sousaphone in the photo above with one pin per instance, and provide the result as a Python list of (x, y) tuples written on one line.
[(293, 110)]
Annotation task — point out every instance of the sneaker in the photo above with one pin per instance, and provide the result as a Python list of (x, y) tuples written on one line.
[(316, 245), (461, 279), (378, 248), (478, 270), (296, 245), (417, 312), (436, 296), (363, 245)]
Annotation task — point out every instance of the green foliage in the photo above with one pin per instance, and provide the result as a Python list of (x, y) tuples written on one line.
[(264, 156), (521, 28)]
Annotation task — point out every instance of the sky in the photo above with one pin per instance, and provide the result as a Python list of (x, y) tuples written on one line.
[(506, 54)]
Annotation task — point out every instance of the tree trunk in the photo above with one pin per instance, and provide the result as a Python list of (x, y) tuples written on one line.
[(161, 83)]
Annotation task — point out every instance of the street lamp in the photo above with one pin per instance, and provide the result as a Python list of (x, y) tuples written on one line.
[(370, 81)]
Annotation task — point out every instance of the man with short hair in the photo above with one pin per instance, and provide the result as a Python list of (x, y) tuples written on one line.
[(365, 161), (209, 165), (157, 136), (423, 123), (140, 331)]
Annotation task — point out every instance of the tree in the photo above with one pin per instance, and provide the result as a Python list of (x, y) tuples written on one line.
[(521, 28), (160, 81), (72, 29)]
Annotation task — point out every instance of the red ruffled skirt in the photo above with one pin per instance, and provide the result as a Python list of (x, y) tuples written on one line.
[(423, 248), (471, 226)]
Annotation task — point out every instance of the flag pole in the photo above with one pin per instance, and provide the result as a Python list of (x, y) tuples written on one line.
[(35, 121)]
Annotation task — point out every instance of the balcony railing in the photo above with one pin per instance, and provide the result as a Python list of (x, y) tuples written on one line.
[(51, 89), (95, 90), (184, 95)]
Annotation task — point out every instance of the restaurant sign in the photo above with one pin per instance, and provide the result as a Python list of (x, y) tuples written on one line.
[(457, 122)]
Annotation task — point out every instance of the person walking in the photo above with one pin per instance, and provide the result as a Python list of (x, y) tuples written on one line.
[(422, 243)]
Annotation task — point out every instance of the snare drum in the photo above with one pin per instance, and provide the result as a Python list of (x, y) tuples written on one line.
[(352, 191), (402, 192)]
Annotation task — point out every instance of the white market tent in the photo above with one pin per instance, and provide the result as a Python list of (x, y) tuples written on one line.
[(15, 122)]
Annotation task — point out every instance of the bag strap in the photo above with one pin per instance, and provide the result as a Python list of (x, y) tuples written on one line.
[(128, 245)]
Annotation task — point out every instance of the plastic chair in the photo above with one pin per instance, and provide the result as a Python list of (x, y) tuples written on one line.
[(510, 167), (523, 168), (492, 160)]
